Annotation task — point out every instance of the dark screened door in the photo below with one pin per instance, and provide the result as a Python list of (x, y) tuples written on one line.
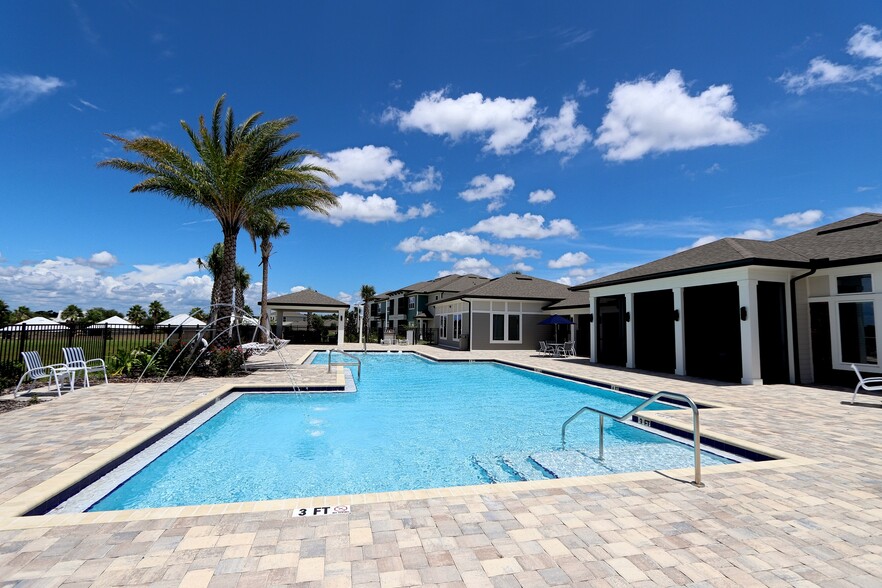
[(654, 331), (772, 319)]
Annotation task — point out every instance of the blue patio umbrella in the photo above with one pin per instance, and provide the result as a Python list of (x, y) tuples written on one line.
[(556, 320)]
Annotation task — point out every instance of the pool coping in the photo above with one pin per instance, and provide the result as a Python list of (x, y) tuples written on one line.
[(14, 513)]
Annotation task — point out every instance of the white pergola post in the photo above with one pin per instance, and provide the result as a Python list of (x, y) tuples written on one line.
[(679, 334), (592, 328), (629, 329), (280, 318), (341, 326), (751, 372), (360, 323)]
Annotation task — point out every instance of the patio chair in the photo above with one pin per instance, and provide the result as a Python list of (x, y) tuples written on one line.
[(569, 349), (257, 348), (75, 361), (35, 370), (543, 347), (868, 384)]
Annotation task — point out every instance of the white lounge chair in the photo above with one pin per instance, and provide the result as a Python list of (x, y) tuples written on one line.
[(75, 361), (868, 384), (257, 348), (35, 370)]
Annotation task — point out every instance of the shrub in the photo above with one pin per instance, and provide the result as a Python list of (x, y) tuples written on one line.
[(10, 372), (226, 361)]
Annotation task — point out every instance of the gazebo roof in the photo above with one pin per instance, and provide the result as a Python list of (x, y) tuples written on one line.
[(306, 298)]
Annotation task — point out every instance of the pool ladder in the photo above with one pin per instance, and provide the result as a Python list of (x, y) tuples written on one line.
[(696, 434), (341, 352)]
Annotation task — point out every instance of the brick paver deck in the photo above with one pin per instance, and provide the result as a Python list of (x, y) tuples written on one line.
[(815, 521)]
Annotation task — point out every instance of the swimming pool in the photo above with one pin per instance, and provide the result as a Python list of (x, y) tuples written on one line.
[(412, 424)]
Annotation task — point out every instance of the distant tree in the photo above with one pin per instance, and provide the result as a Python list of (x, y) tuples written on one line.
[(350, 330), (22, 313), (157, 312), (247, 310), (5, 314), (316, 323), (243, 280), (72, 313), (367, 292), (49, 314), (241, 169), (198, 313), (136, 314), (265, 226), (98, 314)]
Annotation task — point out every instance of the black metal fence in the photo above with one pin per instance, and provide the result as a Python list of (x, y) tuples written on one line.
[(97, 341)]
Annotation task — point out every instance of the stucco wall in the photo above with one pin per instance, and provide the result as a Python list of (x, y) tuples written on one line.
[(531, 332)]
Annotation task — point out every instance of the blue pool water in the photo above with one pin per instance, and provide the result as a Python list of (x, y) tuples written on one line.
[(412, 424)]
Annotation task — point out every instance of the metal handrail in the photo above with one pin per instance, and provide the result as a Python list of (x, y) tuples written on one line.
[(341, 352), (696, 433)]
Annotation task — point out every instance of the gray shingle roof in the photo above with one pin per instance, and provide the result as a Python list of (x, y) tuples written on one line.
[(849, 239), (516, 286), (306, 297), (573, 300)]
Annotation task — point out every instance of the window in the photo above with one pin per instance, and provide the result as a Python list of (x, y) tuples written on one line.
[(854, 284), (457, 326), (857, 332), (514, 327), (443, 326), (498, 333), (411, 302)]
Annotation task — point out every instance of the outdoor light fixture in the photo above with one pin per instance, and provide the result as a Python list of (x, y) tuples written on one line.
[(676, 314), (628, 317), (744, 313), (590, 317)]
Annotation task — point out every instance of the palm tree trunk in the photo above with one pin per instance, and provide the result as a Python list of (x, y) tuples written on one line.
[(227, 282), (264, 292)]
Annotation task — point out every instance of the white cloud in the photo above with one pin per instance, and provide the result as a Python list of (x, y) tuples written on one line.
[(18, 91), (367, 168), (756, 234), (798, 220), (505, 122), (103, 259), (561, 133), (296, 289), (541, 196), (569, 259), (370, 209), (55, 283), (864, 44), (428, 179), (345, 297), (656, 117), (577, 276), (584, 91), (520, 267), (484, 187), (472, 265), (700, 241), (459, 243), (865, 188), (528, 226)]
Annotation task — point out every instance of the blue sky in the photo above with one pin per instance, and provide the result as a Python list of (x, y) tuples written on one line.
[(568, 142)]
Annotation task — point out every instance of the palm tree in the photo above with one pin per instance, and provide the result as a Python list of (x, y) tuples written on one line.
[(136, 314), (241, 169), (213, 262), (157, 312), (22, 313), (72, 313), (367, 292), (265, 226), (198, 313), (5, 314), (243, 280)]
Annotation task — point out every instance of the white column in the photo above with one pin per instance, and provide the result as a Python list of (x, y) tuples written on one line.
[(360, 323), (750, 351), (592, 327), (629, 329), (341, 326), (679, 334), (280, 318)]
